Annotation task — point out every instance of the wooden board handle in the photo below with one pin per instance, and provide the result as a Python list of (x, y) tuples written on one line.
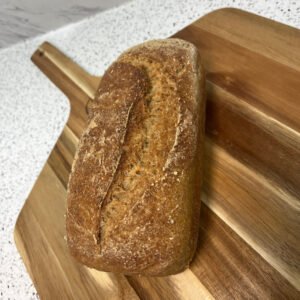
[(63, 72)]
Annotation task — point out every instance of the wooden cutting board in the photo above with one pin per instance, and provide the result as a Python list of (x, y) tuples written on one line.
[(249, 244)]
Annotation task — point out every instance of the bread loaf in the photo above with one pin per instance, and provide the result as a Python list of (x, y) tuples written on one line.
[(134, 190)]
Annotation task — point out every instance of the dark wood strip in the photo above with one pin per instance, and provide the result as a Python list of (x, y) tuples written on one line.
[(60, 166)]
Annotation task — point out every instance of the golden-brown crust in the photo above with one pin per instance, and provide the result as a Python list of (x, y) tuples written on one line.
[(133, 195)]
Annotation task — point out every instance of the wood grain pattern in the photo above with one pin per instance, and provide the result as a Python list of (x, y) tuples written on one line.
[(250, 223), (60, 272), (253, 114)]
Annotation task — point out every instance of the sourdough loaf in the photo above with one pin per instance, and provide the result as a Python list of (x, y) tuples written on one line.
[(134, 190)]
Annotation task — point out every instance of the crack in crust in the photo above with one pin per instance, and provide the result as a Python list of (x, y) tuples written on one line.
[(132, 203)]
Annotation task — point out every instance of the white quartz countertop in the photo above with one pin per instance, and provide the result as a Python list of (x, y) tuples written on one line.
[(33, 111)]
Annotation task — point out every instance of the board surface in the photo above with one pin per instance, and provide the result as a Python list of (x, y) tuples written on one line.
[(249, 243)]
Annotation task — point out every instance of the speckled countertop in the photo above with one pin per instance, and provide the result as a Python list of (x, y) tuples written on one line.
[(33, 111)]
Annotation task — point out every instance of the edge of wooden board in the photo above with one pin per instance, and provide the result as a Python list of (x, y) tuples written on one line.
[(18, 243)]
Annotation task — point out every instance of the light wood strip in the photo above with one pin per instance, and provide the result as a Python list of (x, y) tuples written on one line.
[(183, 286), (112, 280), (261, 35), (188, 286)]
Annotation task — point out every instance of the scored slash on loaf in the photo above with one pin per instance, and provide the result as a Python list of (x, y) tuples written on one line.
[(134, 190)]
